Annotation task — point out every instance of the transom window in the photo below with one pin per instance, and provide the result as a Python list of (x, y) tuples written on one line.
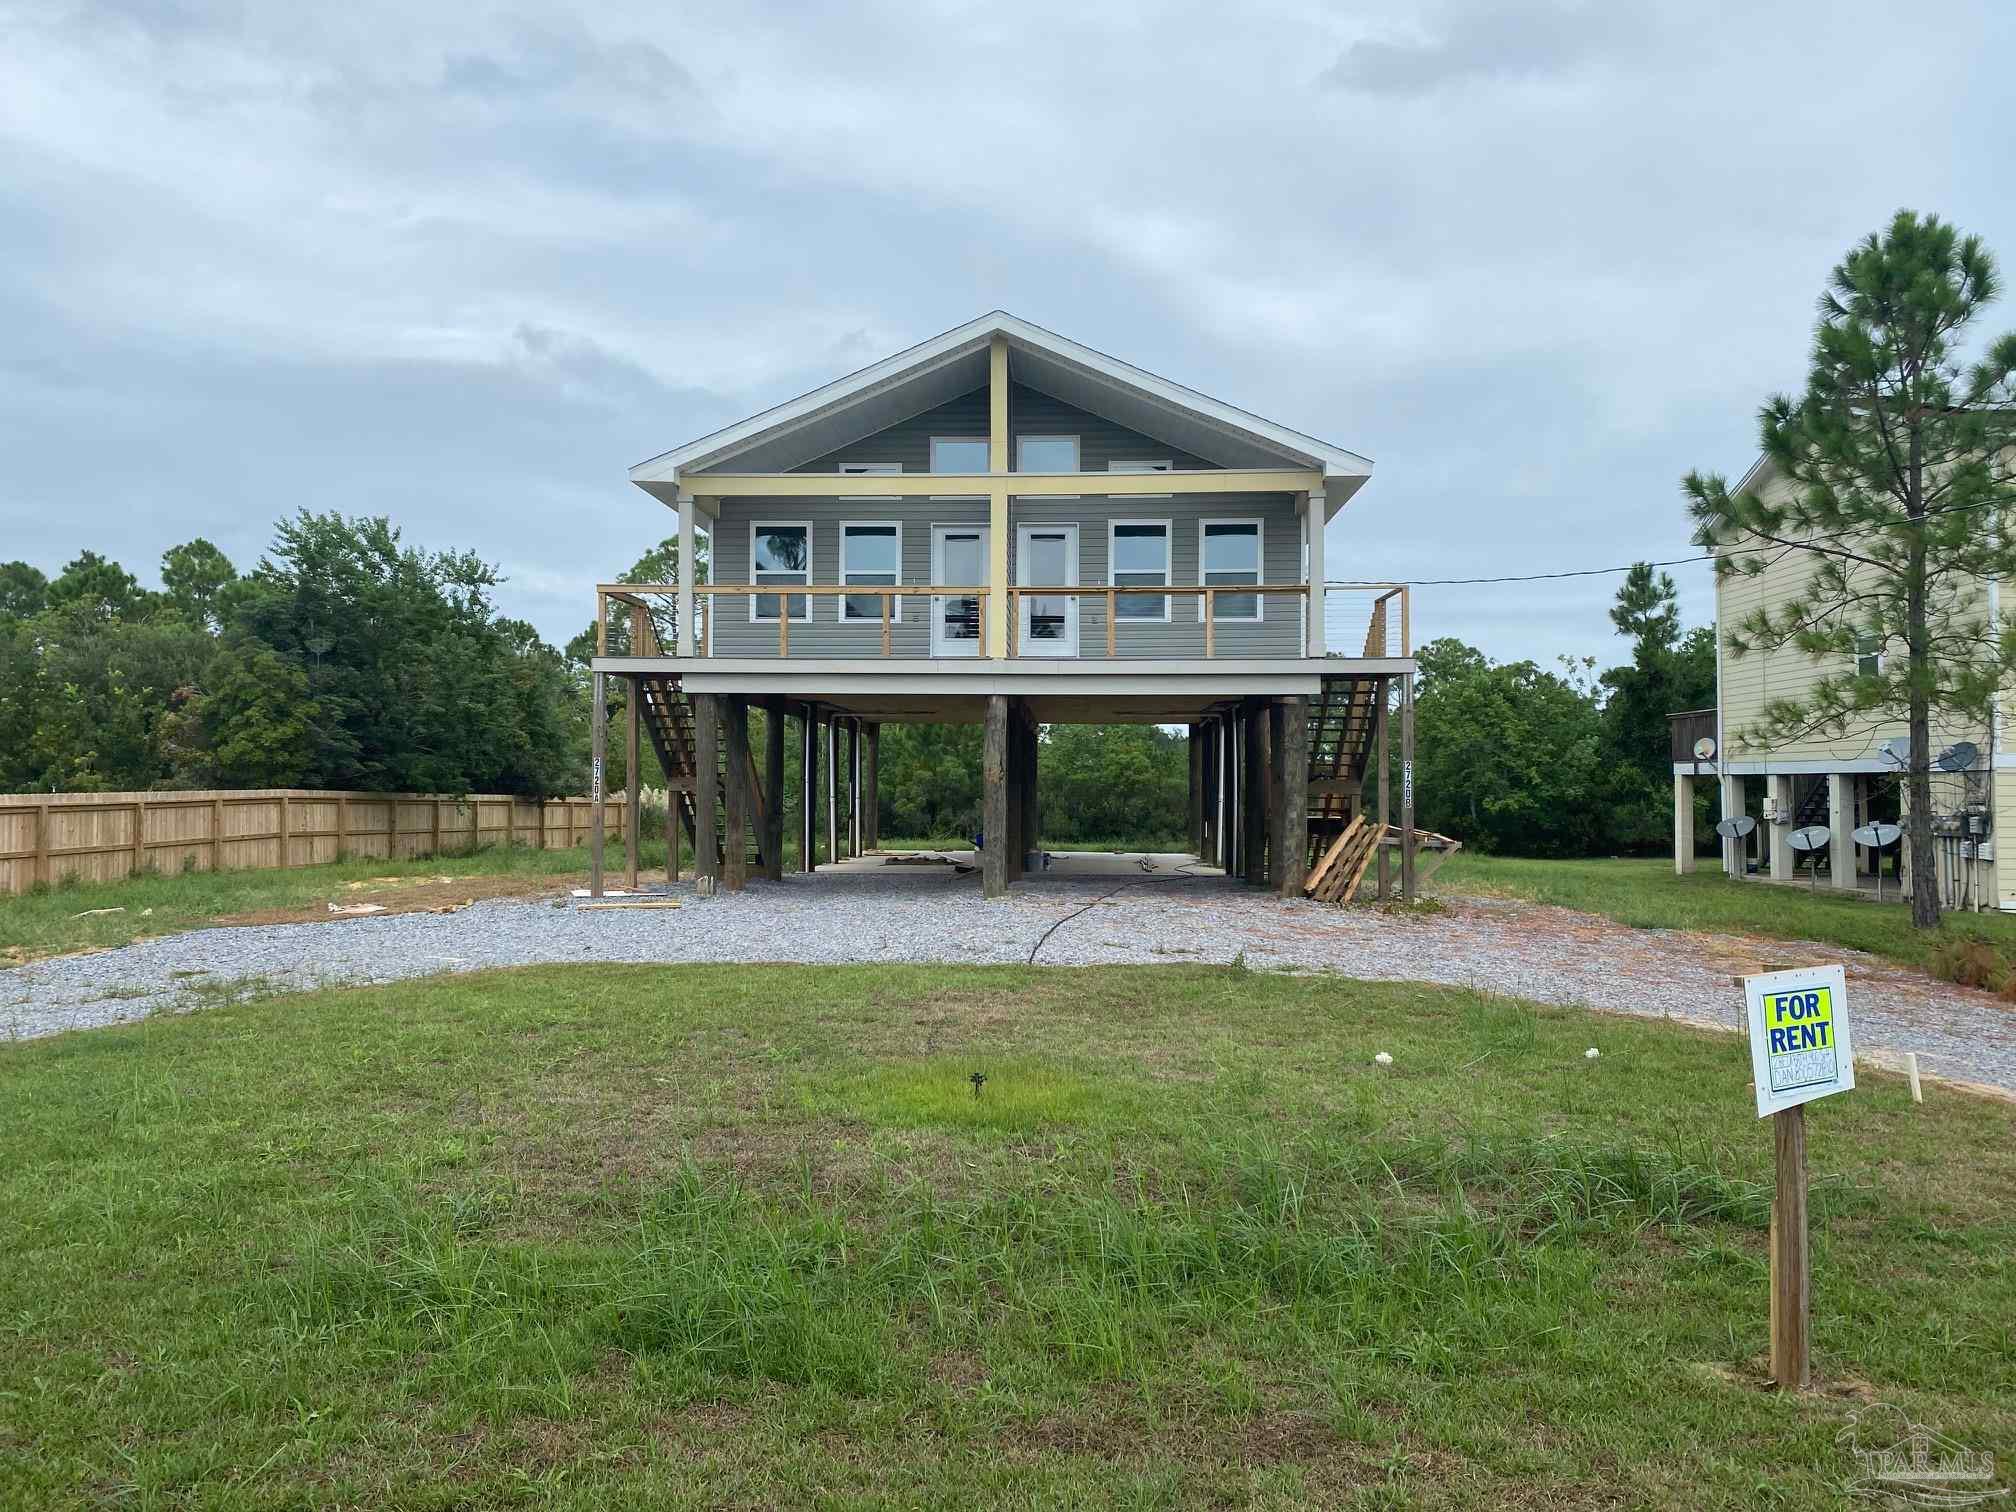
[(1142, 465), (1228, 551), (871, 470), (959, 454), (1046, 454), (1138, 557), (780, 554), (871, 556)]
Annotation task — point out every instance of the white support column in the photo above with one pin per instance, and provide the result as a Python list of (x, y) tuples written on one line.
[(1312, 533), (1780, 841), (1733, 849), (688, 644), (1683, 824), (1841, 821)]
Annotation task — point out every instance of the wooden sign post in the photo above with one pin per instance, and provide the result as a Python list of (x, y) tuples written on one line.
[(1800, 1050)]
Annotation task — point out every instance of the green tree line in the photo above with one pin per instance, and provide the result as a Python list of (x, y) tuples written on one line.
[(343, 659)]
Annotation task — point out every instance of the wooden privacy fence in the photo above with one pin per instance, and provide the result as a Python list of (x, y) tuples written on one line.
[(101, 837)]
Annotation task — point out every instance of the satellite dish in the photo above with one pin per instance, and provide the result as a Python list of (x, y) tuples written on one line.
[(1736, 827), (1959, 757), (1704, 748), (1811, 838), (1896, 751), (1876, 836)]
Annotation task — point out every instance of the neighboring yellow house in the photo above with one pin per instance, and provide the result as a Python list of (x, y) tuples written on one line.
[(1839, 782)]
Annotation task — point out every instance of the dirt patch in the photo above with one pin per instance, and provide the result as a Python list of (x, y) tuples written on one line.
[(405, 895)]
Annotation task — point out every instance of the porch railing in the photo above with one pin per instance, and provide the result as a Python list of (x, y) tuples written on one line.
[(1379, 612)]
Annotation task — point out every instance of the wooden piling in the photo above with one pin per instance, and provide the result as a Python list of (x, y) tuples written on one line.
[(633, 776), (1195, 831), (598, 751), (808, 770), (871, 788), (833, 788), (1253, 857), (1293, 758), (735, 844), (706, 788), (1385, 797), (773, 788), (853, 787), (994, 790), (1406, 786)]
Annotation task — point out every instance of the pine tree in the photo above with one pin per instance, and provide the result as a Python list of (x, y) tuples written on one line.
[(1898, 465)]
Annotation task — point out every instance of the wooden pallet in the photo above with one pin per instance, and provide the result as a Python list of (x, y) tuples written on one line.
[(1336, 876)]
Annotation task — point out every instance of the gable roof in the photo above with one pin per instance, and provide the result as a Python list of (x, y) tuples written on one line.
[(955, 363)]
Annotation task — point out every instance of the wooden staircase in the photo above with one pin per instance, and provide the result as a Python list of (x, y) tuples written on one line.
[(1343, 745), (666, 714)]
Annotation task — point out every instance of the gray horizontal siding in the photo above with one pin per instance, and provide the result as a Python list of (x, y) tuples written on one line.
[(1029, 413), (1279, 633), (827, 634)]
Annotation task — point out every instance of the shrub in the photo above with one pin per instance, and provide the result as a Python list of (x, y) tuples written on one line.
[(1969, 961)]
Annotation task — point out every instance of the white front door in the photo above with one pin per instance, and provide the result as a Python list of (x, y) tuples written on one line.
[(958, 559), (1046, 556)]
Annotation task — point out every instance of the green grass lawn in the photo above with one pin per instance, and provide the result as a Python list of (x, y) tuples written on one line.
[(706, 1237), (48, 921), (1649, 895)]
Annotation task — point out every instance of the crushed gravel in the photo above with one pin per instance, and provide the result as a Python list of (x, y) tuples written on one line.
[(1549, 955)]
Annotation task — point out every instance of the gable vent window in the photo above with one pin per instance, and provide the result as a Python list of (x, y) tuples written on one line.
[(958, 454), (1230, 553), (1046, 454)]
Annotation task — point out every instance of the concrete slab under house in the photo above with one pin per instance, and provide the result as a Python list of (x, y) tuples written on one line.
[(1000, 526)]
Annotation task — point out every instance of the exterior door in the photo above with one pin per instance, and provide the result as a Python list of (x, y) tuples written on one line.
[(959, 560), (1046, 556)]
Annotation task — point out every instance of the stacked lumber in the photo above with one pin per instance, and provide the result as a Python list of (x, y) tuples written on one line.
[(1336, 875)]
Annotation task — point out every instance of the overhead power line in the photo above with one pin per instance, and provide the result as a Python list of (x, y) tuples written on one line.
[(1542, 577)]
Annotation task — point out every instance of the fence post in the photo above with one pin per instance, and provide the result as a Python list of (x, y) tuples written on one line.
[(139, 836), (342, 828), (41, 872)]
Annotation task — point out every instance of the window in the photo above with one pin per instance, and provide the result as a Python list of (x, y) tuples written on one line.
[(871, 470), (1138, 557), (779, 554), (1228, 551), (1046, 454), (1868, 656), (1142, 466), (958, 454), (871, 556)]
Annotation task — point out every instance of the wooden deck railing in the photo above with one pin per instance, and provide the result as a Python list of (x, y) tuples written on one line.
[(653, 625)]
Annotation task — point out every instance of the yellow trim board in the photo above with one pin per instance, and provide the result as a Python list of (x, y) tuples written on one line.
[(1013, 484)]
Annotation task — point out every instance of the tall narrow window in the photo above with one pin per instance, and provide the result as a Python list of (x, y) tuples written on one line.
[(1138, 553), (1228, 552), (780, 555), (871, 556), (958, 454)]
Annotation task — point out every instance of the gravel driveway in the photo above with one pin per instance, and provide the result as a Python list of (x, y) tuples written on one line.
[(1549, 955)]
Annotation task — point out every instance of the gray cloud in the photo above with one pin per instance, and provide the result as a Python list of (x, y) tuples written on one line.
[(464, 266)]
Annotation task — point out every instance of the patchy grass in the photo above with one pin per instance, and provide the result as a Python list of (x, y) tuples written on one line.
[(1649, 895), (46, 922), (706, 1237)]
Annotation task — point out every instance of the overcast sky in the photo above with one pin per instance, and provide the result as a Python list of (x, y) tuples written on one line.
[(1535, 260)]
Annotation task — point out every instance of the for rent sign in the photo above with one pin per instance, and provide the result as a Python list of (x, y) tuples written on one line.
[(1800, 1046)]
